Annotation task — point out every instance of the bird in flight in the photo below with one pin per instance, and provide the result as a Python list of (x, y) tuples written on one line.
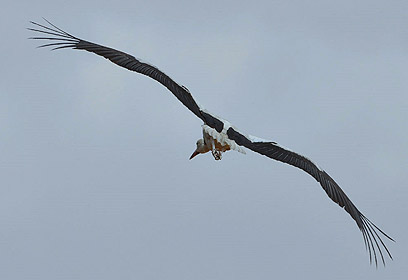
[(219, 135)]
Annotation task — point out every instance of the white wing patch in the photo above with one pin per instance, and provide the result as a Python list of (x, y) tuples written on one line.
[(222, 137), (257, 139)]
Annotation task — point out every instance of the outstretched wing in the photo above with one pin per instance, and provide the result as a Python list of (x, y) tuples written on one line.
[(61, 39), (272, 150)]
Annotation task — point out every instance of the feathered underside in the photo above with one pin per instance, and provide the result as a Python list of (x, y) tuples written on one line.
[(222, 138), (221, 130)]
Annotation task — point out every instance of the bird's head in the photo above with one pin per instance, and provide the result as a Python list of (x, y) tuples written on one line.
[(200, 148)]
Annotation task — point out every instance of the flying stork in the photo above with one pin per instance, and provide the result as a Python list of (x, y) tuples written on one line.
[(219, 135)]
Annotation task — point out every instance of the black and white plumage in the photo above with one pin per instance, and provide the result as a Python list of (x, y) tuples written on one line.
[(219, 136)]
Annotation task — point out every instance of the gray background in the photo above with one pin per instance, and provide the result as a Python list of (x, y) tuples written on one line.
[(95, 177)]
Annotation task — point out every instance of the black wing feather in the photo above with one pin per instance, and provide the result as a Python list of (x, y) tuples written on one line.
[(62, 39), (273, 150)]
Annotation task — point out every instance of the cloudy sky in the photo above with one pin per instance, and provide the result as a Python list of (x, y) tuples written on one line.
[(95, 177)]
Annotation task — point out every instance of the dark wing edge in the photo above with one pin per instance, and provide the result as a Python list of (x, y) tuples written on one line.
[(370, 231), (60, 39)]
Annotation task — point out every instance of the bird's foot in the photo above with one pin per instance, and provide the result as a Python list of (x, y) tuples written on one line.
[(217, 154)]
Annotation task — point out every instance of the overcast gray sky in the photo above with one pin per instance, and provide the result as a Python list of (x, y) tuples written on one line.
[(96, 181)]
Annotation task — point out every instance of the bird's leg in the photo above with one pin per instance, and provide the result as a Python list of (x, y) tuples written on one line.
[(216, 154)]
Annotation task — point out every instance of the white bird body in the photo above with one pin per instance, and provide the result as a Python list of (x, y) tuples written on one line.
[(219, 135)]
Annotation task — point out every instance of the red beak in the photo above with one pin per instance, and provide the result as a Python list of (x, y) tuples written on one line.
[(194, 154)]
